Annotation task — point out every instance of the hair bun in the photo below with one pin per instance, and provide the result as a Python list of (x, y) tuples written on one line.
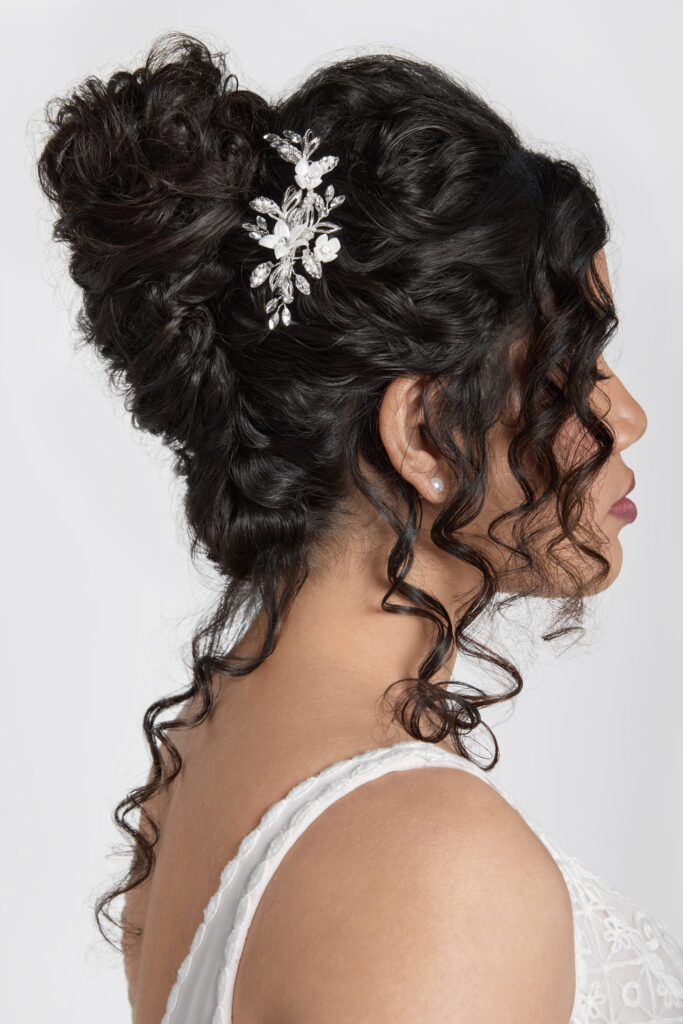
[(149, 172)]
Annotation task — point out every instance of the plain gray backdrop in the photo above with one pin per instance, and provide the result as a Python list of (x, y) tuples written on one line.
[(100, 597)]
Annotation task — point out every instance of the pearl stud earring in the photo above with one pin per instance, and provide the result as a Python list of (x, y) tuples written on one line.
[(437, 483)]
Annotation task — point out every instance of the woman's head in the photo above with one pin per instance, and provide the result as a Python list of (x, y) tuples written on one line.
[(459, 333), (419, 462)]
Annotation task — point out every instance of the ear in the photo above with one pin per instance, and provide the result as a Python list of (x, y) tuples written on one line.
[(400, 417), (517, 354)]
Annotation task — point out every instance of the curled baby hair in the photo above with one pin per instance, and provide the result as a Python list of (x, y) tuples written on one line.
[(457, 240)]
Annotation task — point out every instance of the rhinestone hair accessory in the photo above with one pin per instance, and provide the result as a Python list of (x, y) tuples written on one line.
[(301, 218)]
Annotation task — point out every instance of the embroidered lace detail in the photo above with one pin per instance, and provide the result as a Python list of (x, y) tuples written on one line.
[(629, 969)]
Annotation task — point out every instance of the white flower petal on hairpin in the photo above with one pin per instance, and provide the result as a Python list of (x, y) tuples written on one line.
[(286, 238), (300, 234), (326, 248), (280, 232), (307, 175)]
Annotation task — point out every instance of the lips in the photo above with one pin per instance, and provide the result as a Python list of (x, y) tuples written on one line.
[(624, 507)]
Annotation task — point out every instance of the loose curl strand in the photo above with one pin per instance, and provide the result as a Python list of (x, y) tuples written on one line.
[(457, 240)]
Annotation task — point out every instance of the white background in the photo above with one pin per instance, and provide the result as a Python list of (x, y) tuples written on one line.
[(100, 598)]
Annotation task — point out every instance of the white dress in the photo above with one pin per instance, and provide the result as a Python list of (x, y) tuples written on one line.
[(629, 970)]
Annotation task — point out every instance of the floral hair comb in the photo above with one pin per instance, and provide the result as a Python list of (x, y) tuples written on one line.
[(301, 218)]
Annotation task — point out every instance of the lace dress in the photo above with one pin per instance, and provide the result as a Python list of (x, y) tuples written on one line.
[(629, 970)]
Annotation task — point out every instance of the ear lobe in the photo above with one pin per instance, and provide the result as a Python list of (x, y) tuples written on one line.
[(400, 416)]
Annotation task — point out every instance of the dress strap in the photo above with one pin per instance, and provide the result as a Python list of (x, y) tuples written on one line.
[(286, 820)]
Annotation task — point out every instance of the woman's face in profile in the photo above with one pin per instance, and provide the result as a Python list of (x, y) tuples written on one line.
[(628, 422), (567, 568)]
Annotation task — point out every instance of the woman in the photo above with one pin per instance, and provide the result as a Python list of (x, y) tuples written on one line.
[(371, 326)]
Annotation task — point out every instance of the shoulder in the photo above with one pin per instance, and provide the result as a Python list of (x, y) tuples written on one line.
[(420, 894)]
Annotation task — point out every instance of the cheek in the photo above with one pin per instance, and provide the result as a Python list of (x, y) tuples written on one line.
[(504, 492), (573, 444)]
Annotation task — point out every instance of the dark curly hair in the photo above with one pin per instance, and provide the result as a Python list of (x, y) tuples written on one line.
[(457, 239)]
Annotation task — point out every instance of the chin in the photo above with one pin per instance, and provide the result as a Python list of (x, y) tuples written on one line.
[(615, 556)]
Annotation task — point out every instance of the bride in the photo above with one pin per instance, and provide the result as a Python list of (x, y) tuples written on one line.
[(372, 326)]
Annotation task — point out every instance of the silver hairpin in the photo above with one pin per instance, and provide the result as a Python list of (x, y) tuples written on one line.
[(301, 217)]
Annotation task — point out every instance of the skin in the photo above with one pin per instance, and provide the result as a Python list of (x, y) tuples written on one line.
[(336, 620), (317, 700)]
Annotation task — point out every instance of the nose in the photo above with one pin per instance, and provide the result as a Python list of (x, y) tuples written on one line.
[(626, 417)]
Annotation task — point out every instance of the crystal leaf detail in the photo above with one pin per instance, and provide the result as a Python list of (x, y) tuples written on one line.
[(327, 163), (260, 273), (311, 263), (264, 205), (288, 152)]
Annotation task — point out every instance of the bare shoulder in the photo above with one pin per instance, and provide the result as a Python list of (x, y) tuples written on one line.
[(421, 894)]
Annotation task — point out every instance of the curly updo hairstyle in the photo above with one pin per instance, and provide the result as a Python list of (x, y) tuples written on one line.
[(456, 239)]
